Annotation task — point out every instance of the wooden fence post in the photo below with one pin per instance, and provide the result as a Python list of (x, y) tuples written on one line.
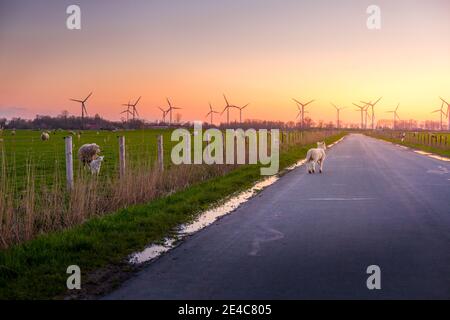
[(122, 162), (161, 153), (69, 162)]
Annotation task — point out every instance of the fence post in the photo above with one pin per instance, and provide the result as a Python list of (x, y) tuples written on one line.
[(69, 162), (122, 156), (161, 153)]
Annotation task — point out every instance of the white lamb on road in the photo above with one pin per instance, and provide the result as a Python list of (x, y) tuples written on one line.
[(316, 156)]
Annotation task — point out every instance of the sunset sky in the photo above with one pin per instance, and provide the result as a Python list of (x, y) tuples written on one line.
[(262, 52)]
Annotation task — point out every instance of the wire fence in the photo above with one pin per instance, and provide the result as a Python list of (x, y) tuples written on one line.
[(25, 152)]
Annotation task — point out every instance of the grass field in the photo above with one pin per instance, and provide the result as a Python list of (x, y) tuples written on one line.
[(37, 269), (25, 151), (433, 142)]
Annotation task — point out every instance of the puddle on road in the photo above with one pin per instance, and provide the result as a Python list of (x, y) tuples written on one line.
[(432, 155), (152, 252), (205, 219), (208, 217)]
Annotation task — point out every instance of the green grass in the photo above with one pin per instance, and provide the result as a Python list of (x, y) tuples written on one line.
[(417, 142), (37, 269), (48, 157)]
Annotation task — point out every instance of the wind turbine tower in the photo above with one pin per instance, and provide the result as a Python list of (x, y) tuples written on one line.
[(338, 110), (211, 113), (83, 107), (396, 117), (372, 105), (301, 107)]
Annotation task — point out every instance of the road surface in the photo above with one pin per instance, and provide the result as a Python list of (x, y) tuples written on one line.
[(313, 236)]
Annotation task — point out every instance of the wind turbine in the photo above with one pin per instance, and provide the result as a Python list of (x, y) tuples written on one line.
[(372, 105), (165, 112), (170, 110), (366, 115), (448, 113), (338, 123), (361, 109), (240, 111), (301, 107), (211, 113), (127, 110), (134, 110), (442, 113), (83, 107), (227, 109), (395, 114)]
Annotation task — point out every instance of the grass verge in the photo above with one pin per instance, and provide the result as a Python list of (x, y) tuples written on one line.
[(37, 269), (412, 145)]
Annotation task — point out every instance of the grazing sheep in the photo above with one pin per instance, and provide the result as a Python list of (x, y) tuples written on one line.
[(88, 152), (45, 136), (13, 133), (314, 156), (96, 164)]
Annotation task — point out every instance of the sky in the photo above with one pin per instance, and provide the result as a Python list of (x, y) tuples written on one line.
[(262, 52)]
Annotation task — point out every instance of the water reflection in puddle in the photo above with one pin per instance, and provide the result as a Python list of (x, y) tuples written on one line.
[(207, 218)]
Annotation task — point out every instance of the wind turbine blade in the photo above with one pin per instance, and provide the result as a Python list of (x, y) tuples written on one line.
[(308, 103), (298, 102), (90, 94), (76, 100), (168, 101), (137, 101), (245, 106), (226, 101), (375, 103)]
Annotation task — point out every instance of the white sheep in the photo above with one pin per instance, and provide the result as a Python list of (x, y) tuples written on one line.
[(316, 155), (88, 152), (96, 164), (45, 136)]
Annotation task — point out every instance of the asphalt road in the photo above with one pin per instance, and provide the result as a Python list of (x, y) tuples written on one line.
[(313, 236)]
